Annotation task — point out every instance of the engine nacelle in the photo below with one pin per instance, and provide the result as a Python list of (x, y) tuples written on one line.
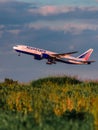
[(38, 57)]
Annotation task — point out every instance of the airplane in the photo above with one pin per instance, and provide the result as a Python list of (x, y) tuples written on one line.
[(53, 57)]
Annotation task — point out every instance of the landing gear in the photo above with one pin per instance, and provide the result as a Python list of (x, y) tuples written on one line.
[(51, 61)]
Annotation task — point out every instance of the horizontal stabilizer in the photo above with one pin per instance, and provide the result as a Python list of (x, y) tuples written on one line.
[(89, 61)]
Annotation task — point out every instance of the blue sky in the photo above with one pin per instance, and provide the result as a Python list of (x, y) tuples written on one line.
[(66, 2), (55, 25)]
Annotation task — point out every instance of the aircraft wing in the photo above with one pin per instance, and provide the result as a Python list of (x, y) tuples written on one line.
[(62, 54)]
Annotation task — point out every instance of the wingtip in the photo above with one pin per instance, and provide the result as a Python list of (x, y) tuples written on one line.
[(91, 49)]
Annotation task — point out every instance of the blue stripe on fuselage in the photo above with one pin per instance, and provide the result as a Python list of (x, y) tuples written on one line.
[(24, 52), (46, 56)]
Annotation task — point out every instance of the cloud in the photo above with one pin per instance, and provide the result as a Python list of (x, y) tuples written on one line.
[(20, 19), (64, 18), (14, 32), (75, 28), (91, 8), (20, 13), (1, 27), (54, 10), (49, 10)]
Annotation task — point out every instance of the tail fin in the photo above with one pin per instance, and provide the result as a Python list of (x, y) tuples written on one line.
[(86, 55)]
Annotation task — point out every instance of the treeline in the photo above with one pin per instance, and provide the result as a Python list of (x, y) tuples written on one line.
[(56, 103)]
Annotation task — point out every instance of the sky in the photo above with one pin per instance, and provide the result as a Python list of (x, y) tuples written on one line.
[(56, 25)]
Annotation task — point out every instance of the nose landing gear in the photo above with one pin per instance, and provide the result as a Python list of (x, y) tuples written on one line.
[(19, 54)]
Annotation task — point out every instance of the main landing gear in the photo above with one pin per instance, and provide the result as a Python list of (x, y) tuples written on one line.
[(51, 61)]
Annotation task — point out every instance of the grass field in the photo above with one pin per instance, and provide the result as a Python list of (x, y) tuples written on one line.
[(56, 103)]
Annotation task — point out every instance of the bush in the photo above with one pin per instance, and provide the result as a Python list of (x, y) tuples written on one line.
[(55, 103)]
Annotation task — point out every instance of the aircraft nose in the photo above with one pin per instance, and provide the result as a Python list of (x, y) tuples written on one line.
[(14, 47)]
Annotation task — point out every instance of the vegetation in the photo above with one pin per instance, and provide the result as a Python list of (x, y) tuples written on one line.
[(56, 103)]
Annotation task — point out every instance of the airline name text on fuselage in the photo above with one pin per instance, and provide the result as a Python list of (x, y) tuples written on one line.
[(36, 49)]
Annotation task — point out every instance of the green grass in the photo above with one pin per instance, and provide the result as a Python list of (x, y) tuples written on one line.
[(55, 103)]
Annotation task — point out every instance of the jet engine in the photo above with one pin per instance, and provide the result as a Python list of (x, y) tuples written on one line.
[(38, 57)]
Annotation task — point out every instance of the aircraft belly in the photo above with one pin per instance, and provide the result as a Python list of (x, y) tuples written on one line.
[(25, 52)]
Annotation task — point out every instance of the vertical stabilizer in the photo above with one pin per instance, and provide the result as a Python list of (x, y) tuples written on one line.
[(86, 55)]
